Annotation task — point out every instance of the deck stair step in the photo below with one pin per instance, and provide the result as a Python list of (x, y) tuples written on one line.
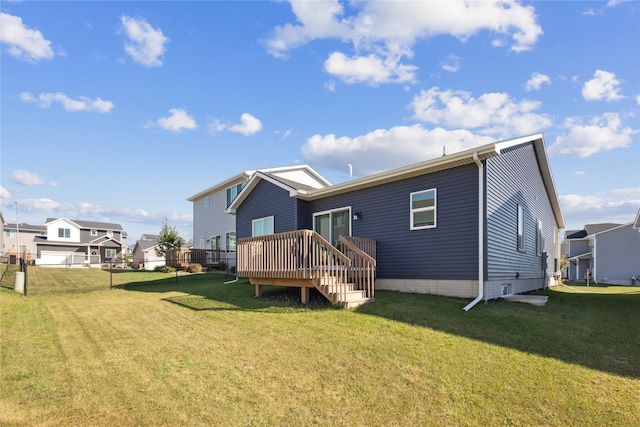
[(349, 297)]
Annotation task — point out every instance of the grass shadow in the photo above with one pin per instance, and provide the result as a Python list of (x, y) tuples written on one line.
[(598, 331)]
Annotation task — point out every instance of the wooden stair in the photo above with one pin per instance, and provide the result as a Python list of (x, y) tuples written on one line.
[(343, 294)]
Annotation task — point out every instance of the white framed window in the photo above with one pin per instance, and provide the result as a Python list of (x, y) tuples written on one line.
[(94, 232), (521, 245), (206, 202), (109, 253), (10, 233), (230, 240), (232, 193), (333, 224), (423, 209), (109, 233), (64, 233), (538, 237), (43, 234), (202, 243), (215, 243), (262, 226)]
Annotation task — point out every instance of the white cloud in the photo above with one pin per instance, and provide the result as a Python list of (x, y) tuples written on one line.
[(451, 64), (23, 42), (249, 125), (4, 193), (370, 69), (24, 177), (536, 81), (604, 133), (382, 33), (618, 205), (580, 173), (44, 100), (384, 149), (178, 121), (638, 99), (613, 3), (146, 44), (491, 113), (604, 85)]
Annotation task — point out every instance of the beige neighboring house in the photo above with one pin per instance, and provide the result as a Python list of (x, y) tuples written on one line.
[(144, 253), (214, 229), (21, 238)]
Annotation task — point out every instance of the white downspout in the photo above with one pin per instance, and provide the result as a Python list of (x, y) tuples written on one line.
[(480, 234)]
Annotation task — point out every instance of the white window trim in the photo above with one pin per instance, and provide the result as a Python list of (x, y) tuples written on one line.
[(109, 233), (434, 208), (524, 229), (94, 232), (539, 248), (226, 240), (262, 219), (206, 202), (106, 252)]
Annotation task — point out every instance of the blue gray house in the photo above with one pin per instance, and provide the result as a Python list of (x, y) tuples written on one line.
[(479, 224)]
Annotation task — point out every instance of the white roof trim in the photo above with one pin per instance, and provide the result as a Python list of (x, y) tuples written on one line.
[(429, 166), (252, 183)]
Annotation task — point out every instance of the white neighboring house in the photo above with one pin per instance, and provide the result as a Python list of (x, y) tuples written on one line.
[(607, 253), (77, 243), (144, 253), (215, 229)]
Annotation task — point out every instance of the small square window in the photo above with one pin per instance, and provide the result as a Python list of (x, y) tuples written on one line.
[(94, 232)]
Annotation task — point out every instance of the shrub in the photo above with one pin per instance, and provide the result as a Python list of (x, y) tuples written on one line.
[(194, 268), (222, 265), (164, 269)]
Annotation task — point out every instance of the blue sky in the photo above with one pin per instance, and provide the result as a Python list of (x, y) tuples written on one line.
[(118, 111)]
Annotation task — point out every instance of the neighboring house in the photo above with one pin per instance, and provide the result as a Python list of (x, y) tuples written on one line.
[(480, 223), (22, 237), (77, 243), (608, 253), (213, 229), (144, 253)]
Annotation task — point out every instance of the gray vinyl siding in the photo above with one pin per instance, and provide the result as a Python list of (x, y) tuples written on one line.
[(513, 179), (448, 251), (579, 247), (617, 255), (265, 200)]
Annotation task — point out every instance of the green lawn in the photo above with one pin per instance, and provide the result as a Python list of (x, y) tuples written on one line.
[(203, 353)]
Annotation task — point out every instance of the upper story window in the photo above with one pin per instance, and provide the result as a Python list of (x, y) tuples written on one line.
[(206, 202), (521, 246), (232, 193), (423, 209), (109, 233), (94, 232), (64, 233), (43, 234), (262, 226), (10, 233)]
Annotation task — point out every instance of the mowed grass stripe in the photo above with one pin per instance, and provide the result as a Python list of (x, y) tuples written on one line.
[(138, 357)]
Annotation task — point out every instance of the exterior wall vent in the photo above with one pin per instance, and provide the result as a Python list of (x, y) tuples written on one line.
[(506, 289)]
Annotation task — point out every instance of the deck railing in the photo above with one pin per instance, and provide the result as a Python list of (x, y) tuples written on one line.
[(181, 258), (361, 253), (305, 254)]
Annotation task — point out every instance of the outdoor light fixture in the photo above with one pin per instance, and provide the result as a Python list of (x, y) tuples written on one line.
[(357, 216)]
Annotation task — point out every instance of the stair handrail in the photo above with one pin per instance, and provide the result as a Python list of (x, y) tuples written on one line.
[(363, 266)]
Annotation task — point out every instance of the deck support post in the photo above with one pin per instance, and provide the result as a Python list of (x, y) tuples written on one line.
[(258, 291), (304, 295)]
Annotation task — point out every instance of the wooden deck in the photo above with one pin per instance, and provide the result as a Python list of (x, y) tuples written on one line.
[(306, 260), (181, 258)]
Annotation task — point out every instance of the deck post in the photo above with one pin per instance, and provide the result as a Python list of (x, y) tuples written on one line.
[(304, 295), (258, 291)]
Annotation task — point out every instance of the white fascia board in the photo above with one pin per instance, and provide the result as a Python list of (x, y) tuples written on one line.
[(68, 221), (307, 168), (423, 168), (225, 183), (636, 223), (252, 183)]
